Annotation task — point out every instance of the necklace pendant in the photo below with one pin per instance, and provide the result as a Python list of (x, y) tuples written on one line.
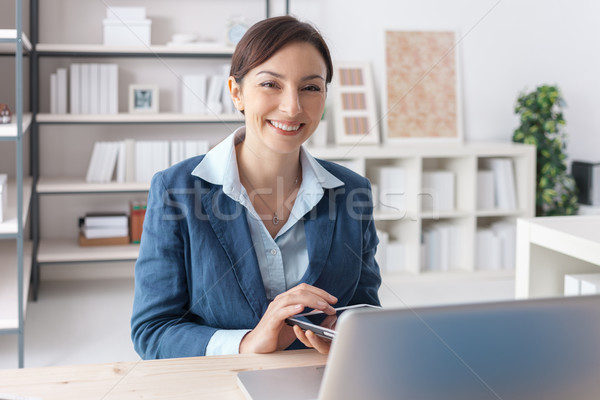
[(275, 219)]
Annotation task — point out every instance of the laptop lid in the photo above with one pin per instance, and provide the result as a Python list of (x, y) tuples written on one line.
[(526, 349)]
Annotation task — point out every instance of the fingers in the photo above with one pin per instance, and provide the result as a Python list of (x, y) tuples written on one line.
[(309, 296), (309, 339)]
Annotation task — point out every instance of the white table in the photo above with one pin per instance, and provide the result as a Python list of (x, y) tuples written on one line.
[(550, 247)]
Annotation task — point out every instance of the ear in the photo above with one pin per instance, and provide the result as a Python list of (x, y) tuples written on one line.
[(236, 93)]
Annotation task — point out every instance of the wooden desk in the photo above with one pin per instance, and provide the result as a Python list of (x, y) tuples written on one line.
[(550, 247), (181, 378)]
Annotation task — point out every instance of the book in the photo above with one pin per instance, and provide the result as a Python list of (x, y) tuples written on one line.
[(85, 88), (137, 211), (115, 241), (486, 193), (213, 97), (75, 89), (104, 232), (53, 94), (488, 250), (3, 196), (94, 89), (391, 183), (99, 219), (113, 89), (103, 85), (93, 165), (61, 84), (193, 94), (504, 182), (438, 191)]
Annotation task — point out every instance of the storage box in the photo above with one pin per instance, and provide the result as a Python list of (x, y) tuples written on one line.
[(126, 32), (3, 196)]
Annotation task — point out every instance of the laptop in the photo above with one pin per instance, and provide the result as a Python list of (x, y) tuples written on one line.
[(524, 349)]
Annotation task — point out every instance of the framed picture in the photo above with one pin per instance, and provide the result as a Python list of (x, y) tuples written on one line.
[(143, 98), (355, 116), (422, 96)]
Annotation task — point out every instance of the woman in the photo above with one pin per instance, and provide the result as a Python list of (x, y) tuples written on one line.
[(256, 230)]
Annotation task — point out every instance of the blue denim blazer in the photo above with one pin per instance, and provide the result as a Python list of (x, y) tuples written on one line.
[(197, 271)]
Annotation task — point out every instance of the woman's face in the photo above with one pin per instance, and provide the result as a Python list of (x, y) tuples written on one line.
[(283, 99)]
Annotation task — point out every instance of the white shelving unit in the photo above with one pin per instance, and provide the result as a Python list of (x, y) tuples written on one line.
[(464, 160), (15, 251)]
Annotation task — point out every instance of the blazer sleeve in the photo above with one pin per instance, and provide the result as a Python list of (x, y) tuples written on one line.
[(370, 277), (162, 325)]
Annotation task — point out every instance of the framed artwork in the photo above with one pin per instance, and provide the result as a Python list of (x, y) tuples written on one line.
[(355, 116), (143, 98), (422, 100)]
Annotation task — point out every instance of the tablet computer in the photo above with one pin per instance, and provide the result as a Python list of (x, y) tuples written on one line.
[(322, 324)]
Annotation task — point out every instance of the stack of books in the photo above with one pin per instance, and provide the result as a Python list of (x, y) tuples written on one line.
[(505, 191), (390, 254), (104, 229), (138, 161), (206, 94), (441, 247), (582, 284), (389, 182), (89, 89), (496, 246)]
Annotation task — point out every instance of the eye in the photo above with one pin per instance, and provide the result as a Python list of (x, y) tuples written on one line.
[(313, 88), (268, 84)]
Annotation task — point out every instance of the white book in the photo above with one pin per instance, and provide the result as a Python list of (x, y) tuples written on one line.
[(486, 192), (507, 233), (438, 191), (504, 182), (99, 233), (3, 196), (488, 250), (130, 160), (94, 159), (395, 256), (228, 107), (75, 89), (53, 94), (140, 167), (391, 182), (121, 162), (85, 88), (381, 252), (112, 161), (94, 88), (590, 284), (193, 94), (213, 98), (61, 83), (113, 89), (105, 220), (443, 249), (104, 88)]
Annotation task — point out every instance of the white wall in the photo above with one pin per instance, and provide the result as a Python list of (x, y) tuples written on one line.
[(507, 46)]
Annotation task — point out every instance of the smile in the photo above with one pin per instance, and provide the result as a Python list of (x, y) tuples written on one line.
[(285, 127)]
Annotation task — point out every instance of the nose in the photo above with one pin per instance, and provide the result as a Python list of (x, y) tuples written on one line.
[(290, 102)]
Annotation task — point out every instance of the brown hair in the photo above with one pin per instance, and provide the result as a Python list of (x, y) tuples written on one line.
[(267, 37)]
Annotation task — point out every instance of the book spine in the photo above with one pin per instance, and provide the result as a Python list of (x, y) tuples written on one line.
[(75, 89)]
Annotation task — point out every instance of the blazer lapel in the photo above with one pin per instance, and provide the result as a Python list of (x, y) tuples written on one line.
[(319, 235), (228, 220)]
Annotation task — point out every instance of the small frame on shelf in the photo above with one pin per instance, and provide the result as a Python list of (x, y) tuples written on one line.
[(143, 98), (354, 104), (422, 92)]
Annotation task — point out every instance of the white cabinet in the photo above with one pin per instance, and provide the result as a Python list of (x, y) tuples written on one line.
[(408, 227)]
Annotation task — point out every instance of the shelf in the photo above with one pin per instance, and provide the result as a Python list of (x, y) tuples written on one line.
[(428, 214), (68, 251), (9, 318), (126, 118), (9, 227), (459, 275), (392, 215), (99, 50), (10, 131), (74, 185), (499, 213), (8, 41)]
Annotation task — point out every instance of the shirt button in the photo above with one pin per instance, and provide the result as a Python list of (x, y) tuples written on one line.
[(273, 252)]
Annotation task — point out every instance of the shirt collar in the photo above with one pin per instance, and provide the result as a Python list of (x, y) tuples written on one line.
[(219, 167)]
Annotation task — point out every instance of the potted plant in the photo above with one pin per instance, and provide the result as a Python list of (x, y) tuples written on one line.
[(542, 124)]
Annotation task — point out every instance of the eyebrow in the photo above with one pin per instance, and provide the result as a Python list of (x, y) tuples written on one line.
[(276, 75)]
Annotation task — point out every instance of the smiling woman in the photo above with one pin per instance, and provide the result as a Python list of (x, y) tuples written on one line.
[(256, 230)]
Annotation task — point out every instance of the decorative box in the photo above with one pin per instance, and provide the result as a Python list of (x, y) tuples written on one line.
[(127, 32)]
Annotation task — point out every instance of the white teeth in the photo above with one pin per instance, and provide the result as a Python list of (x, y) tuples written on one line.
[(288, 128)]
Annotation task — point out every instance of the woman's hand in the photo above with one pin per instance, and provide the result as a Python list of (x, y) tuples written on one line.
[(272, 333), (309, 339)]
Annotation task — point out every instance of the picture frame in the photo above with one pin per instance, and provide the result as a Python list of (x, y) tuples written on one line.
[(143, 98), (354, 108), (422, 96)]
